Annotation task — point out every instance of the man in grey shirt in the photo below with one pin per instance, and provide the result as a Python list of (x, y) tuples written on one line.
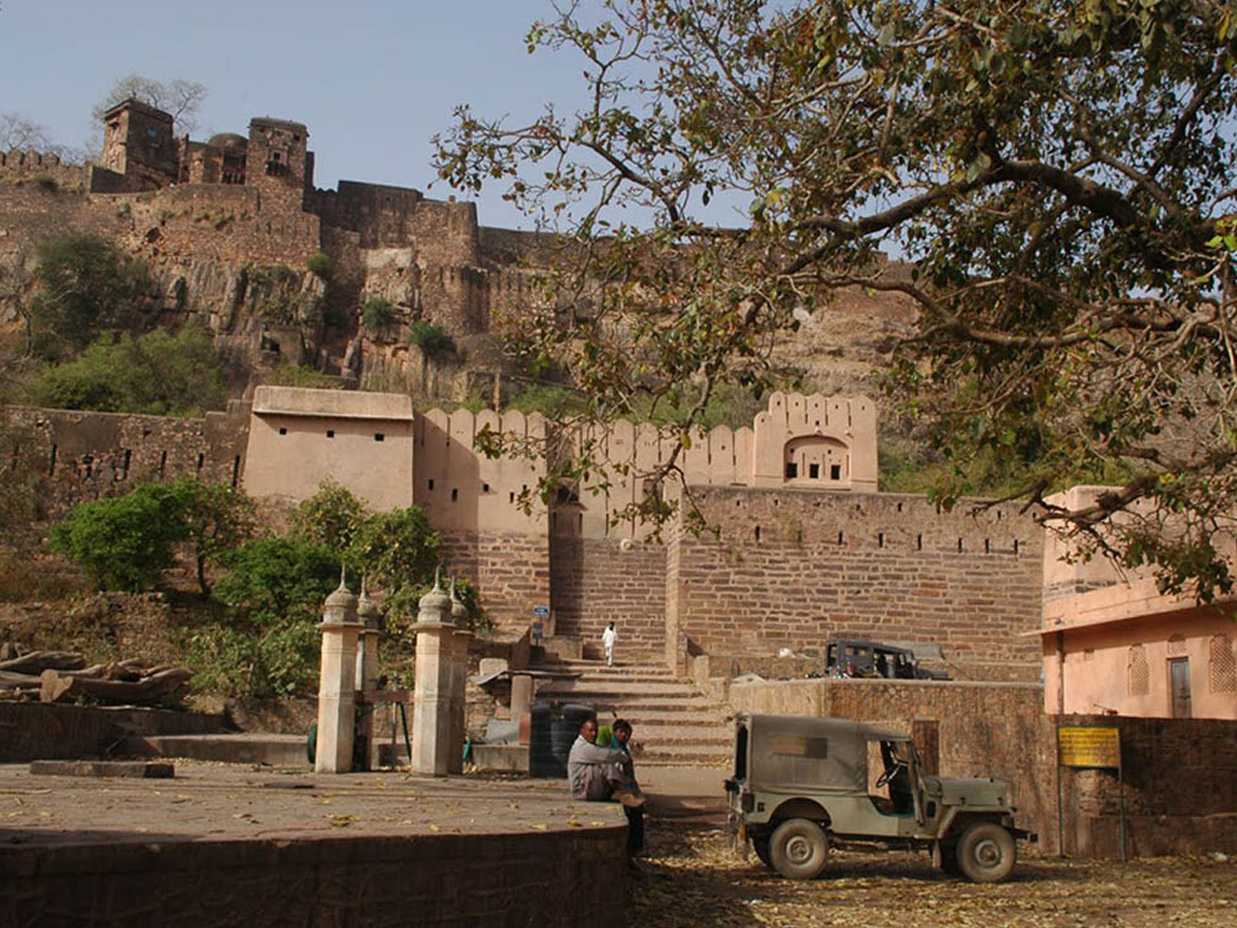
[(601, 774)]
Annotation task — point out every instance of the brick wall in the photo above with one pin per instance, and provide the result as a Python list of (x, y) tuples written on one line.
[(80, 456), (35, 731), (23, 167), (1180, 789), (556, 879), (511, 571), (595, 582), (791, 569)]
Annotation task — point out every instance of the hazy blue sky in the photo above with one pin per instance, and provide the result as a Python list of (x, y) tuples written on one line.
[(373, 80)]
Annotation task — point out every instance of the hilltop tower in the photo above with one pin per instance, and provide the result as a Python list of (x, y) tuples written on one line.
[(277, 160), (138, 144)]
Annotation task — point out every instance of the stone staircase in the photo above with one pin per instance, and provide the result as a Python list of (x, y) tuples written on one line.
[(671, 719)]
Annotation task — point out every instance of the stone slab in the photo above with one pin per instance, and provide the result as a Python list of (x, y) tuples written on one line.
[(133, 769)]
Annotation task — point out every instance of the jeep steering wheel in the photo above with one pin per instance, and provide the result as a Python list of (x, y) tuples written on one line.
[(889, 774)]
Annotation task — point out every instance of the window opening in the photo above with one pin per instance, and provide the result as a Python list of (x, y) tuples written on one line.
[(792, 470), (813, 471), (378, 436), (283, 430), (330, 433), (835, 471)]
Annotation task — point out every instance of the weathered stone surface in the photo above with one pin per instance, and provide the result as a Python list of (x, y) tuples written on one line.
[(133, 769)]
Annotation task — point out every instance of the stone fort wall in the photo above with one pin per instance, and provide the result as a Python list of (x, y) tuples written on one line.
[(777, 567), (787, 568)]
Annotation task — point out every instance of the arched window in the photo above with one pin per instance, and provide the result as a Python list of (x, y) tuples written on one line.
[(1222, 667), (1137, 673), (816, 459)]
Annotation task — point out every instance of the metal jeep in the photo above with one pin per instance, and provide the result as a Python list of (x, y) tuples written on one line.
[(800, 785)]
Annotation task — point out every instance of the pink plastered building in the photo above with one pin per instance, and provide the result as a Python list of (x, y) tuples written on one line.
[(1114, 644)]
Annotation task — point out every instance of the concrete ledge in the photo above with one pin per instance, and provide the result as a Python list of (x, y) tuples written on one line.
[(503, 758), (276, 750), (135, 769)]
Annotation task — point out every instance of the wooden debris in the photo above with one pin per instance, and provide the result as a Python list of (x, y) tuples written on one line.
[(37, 661)]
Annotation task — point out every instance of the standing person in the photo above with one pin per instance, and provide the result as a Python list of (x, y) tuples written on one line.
[(608, 637), (598, 774)]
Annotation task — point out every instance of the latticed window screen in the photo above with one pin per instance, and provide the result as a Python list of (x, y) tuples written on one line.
[(1176, 646), (1138, 674), (1222, 668)]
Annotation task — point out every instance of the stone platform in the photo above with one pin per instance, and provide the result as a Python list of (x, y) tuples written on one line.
[(224, 845)]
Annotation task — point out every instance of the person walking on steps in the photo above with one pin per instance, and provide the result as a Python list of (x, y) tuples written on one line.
[(608, 637)]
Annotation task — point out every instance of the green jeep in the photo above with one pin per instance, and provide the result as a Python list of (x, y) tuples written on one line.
[(801, 784)]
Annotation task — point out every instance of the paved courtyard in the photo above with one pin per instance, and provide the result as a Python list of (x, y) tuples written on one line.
[(693, 879)]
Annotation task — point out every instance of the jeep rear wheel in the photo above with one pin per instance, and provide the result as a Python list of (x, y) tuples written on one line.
[(798, 849), (986, 853)]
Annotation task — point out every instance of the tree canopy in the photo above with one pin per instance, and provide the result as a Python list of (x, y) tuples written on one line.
[(1059, 176), (180, 98)]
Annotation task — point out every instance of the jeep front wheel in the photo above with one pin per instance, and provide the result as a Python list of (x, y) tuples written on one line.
[(986, 853), (798, 849), (761, 847)]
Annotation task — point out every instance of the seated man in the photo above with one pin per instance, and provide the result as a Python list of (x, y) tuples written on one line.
[(598, 774)]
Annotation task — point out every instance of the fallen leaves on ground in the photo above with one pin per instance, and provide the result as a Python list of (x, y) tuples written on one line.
[(691, 877)]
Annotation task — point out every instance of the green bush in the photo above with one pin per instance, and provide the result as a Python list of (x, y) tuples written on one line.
[(85, 286), (432, 339), (331, 517), (269, 646), (319, 264), (290, 375), (160, 374), (378, 314), (126, 542), (551, 400)]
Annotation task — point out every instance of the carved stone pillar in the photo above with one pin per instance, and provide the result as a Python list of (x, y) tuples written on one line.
[(431, 727), (337, 682), (367, 672)]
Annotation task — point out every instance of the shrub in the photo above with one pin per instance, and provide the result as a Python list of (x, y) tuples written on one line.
[(551, 400), (319, 264), (47, 184), (86, 285), (331, 517), (291, 375), (432, 339), (160, 374), (269, 646), (126, 542), (378, 314)]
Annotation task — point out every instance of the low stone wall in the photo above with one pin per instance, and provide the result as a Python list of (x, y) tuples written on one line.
[(34, 731), (1180, 790), (554, 879)]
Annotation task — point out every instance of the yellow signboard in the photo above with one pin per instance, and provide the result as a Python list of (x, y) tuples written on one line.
[(1089, 746)]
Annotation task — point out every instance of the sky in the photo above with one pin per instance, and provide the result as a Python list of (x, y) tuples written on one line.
[(372, 80)]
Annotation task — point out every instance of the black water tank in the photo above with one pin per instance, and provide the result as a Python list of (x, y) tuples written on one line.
[(541, 761), (552, 731)]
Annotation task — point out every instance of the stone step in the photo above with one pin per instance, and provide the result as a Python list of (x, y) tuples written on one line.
[(617, 686), (666, 719), (249, 748)]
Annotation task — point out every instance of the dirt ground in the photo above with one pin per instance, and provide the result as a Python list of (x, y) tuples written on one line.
[(692, 878)]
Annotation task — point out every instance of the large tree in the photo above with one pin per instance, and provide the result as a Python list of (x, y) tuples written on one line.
[(1060, 175)]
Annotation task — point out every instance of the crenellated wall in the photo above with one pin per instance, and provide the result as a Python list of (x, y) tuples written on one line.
[(20, 167), (792, 568)]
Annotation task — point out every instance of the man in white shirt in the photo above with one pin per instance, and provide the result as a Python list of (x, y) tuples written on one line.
[(608, 637), (598, 774)]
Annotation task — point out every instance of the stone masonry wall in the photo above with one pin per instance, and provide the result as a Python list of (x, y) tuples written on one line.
[(1180, 789), (790, 569), (594, 582), (557, 880), (82, 456), (510, 570)]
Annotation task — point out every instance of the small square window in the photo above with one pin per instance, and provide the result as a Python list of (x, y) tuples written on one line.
[(283, 431), (835, 471), (330, 433), (485, 488), (813, 471), (378, 436), (455, 495), (431, 484), (792, 470)]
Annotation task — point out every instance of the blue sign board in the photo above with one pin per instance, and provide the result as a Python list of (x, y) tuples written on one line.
[(541, 612)]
